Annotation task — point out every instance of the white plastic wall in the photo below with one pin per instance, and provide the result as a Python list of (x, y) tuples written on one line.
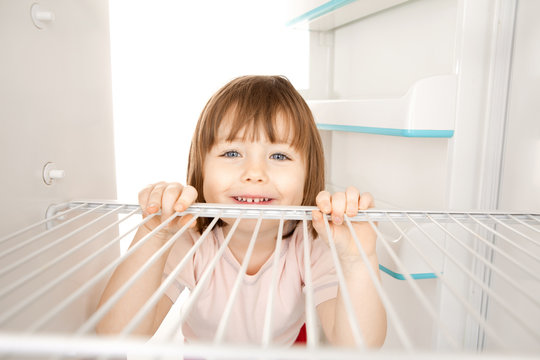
[(382, 56), (55, 106), (520, 181)]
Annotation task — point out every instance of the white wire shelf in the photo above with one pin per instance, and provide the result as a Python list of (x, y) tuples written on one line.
[(479, 293)]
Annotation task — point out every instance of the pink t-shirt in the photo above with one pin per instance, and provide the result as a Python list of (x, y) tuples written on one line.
[(246, 321)]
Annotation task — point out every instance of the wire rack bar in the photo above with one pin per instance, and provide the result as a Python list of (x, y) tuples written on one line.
[(267, 330), (30, 227), (492, 247), (525, 224), (34, 238), (492, 267), (396, 321), (534, 218), (36, 253), (505, 238), (311, 312), (220, 332), (516, 231), (351, 313)]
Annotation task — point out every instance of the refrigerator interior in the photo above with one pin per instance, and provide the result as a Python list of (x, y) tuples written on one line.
[(427, 104)]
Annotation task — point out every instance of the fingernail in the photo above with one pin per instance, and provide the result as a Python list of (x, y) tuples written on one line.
[(337, 219), (151, 208), (180, 208)]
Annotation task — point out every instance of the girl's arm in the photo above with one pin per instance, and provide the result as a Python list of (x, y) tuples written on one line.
[(169, 197), (370, 313)]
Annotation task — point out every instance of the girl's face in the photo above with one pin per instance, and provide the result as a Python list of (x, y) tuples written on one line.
[(254, 172)]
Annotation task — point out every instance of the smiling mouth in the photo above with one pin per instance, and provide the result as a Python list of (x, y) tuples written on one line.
[(251, 200)]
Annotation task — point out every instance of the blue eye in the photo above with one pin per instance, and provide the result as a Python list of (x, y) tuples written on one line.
[(231, 153), (279, 156)]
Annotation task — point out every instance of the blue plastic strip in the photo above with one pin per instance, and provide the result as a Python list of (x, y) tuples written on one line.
[(389, 131), (398, 276), (319, 11)]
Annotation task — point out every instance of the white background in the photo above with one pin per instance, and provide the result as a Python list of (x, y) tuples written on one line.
[(169, 57)]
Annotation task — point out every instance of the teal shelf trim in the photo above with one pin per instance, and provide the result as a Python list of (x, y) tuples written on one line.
[(389, 131), (419, 276), (319, 11)]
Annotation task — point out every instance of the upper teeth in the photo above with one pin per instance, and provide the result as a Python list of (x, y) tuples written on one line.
[(255, 200)]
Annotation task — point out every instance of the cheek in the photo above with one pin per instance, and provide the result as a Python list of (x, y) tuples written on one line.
[(209, 182), (301, 185), (296, 180), (217, 179), (210, 187)]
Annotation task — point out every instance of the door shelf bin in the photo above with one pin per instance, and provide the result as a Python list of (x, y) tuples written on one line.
[(428, 109)]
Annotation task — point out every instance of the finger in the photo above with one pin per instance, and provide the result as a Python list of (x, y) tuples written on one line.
[(170, 194), (144, 198), (339, 202), (353, 198), (323, 201), (154, 199), (187, 197), (366, 201), (185, 219), (318, 224), (144, 194)]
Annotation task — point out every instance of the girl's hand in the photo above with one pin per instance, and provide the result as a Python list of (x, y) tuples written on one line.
[(337, 205), (170, 198)]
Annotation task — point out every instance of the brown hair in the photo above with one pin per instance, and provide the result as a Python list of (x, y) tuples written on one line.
[(255, 102)]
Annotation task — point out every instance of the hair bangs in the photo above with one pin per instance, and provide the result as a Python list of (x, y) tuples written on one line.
[(273, 117), (276, 126)]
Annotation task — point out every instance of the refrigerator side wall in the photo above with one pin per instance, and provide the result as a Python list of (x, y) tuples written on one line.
[(55, 106)]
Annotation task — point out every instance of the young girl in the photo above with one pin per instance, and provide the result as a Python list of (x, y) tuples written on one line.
[(255, 143)]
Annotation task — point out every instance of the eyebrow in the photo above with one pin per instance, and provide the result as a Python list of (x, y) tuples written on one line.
[(239, 139)]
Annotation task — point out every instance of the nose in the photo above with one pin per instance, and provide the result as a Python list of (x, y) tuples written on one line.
[(255, 171)]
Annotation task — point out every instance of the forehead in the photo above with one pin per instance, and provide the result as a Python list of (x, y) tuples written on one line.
[(275, 130)]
